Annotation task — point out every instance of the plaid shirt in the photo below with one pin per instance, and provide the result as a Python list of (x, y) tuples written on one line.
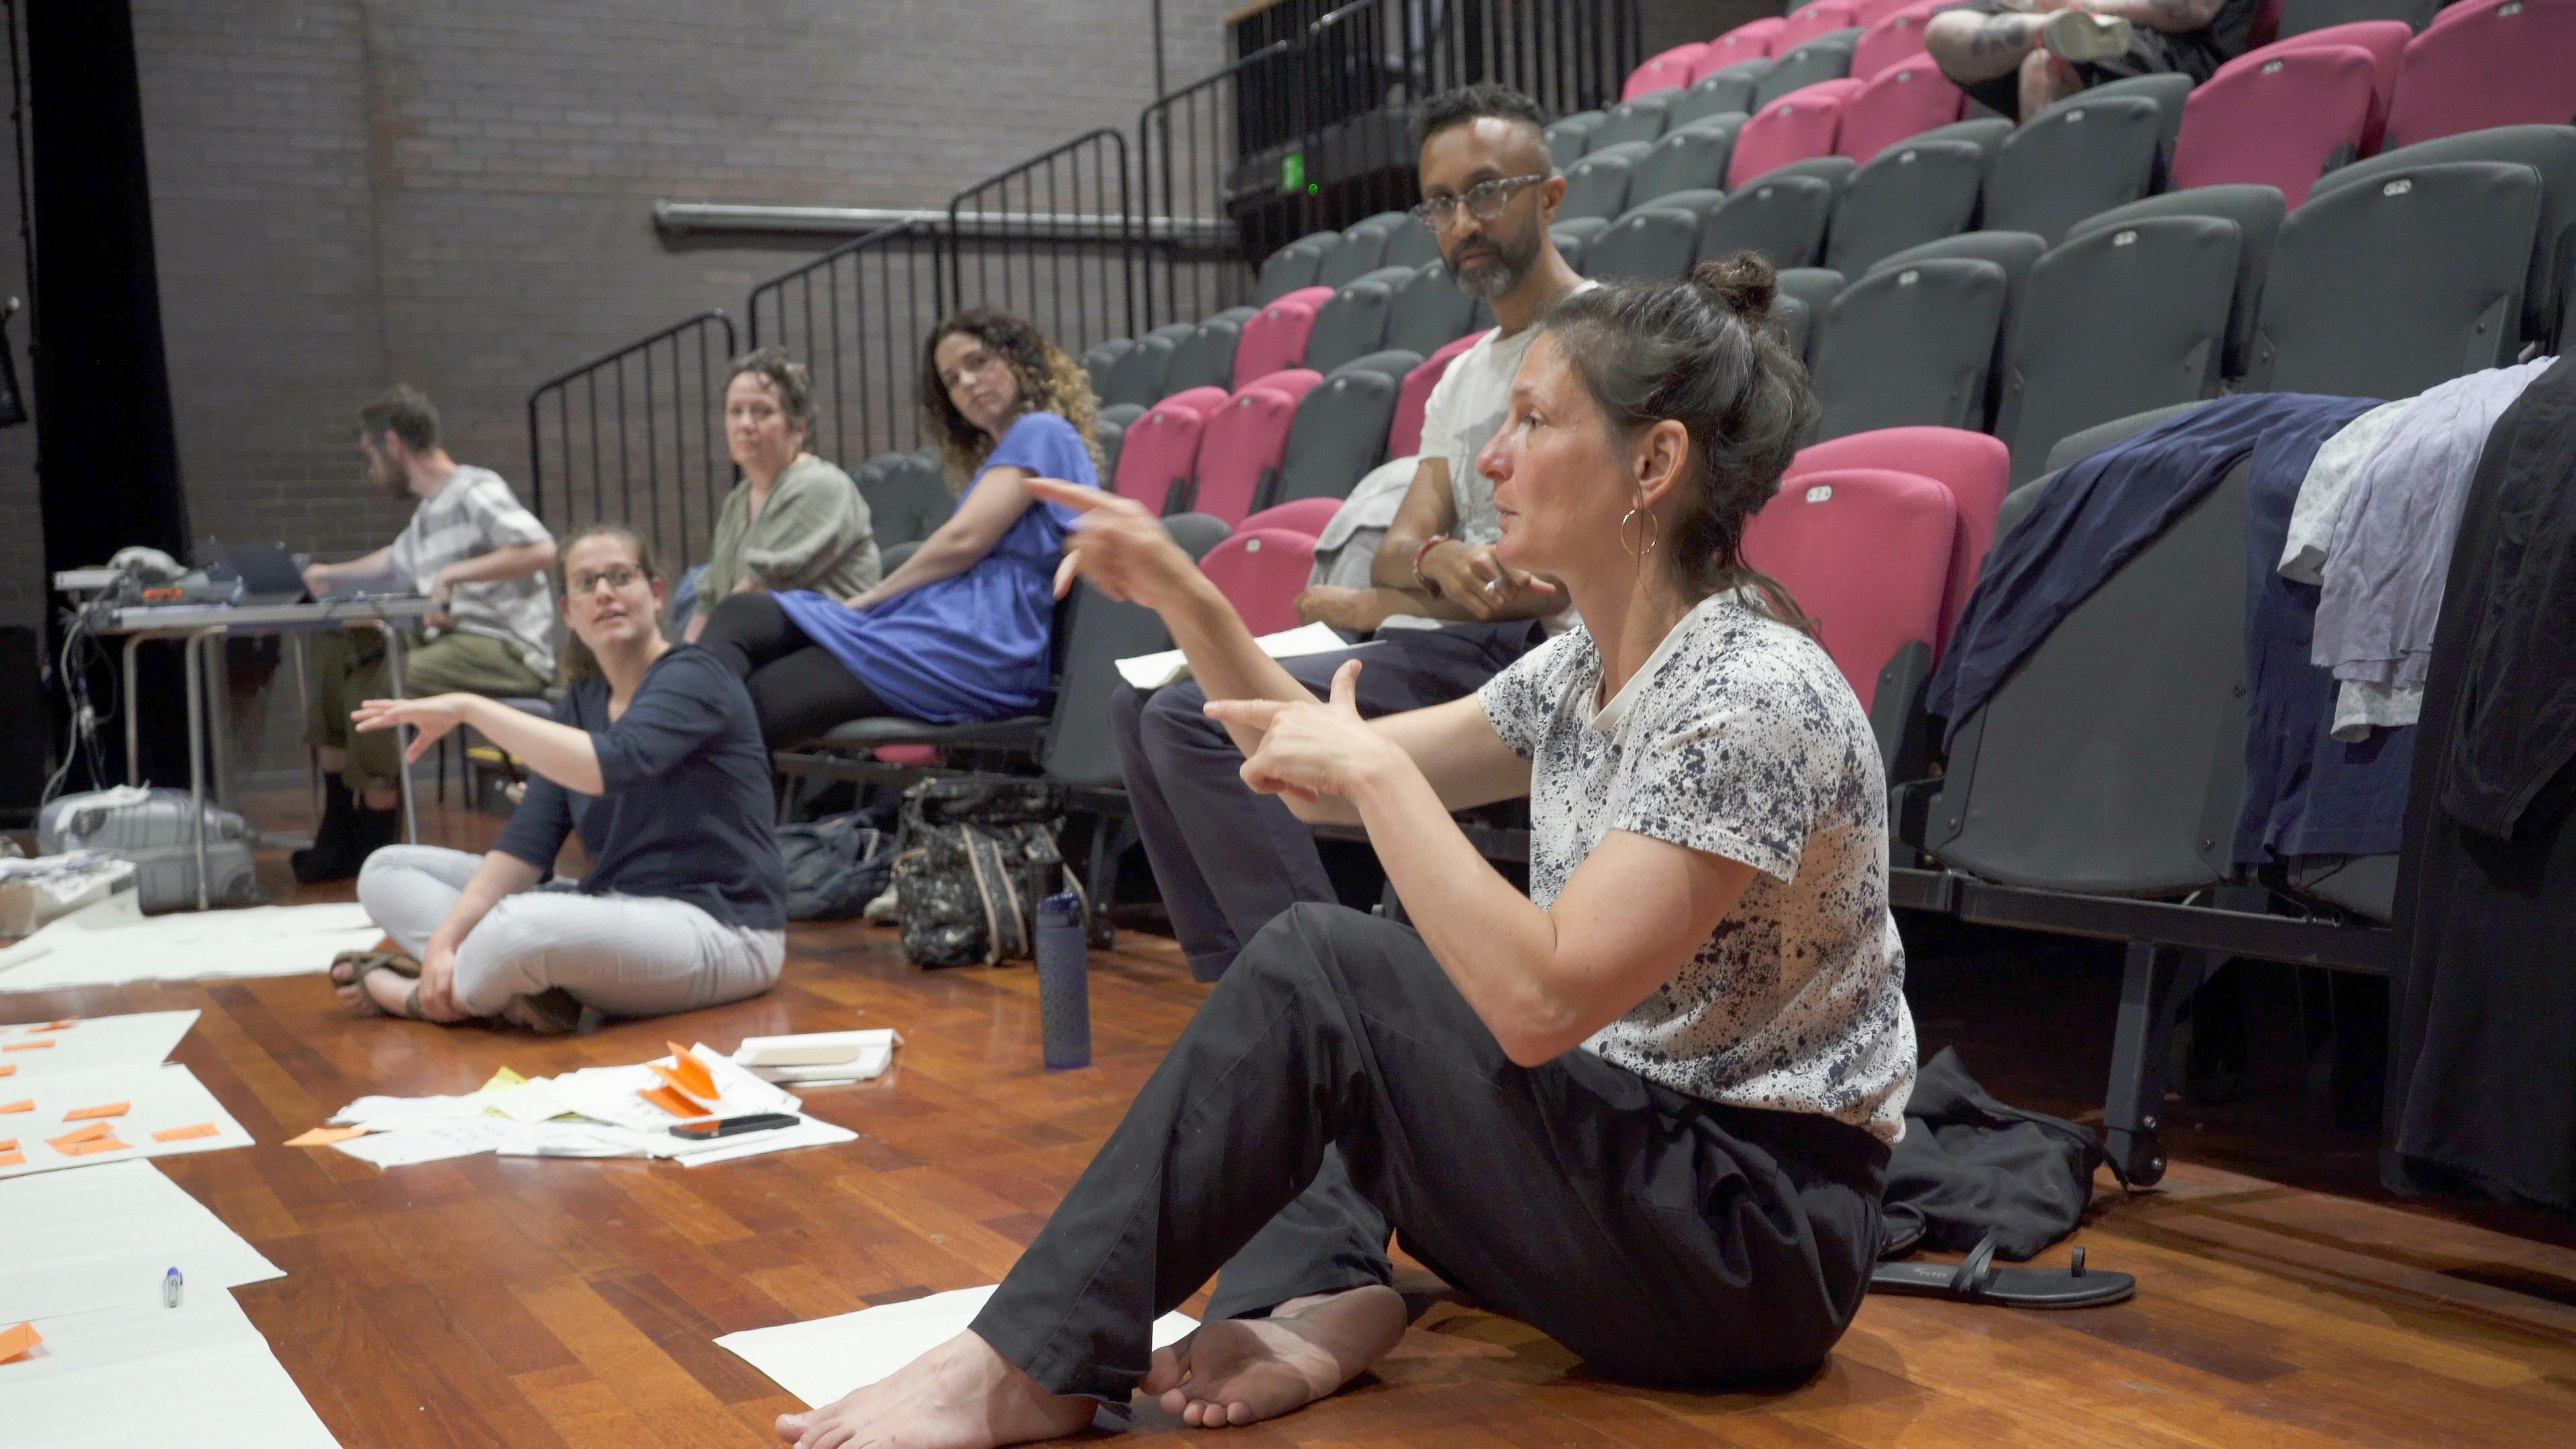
[(473, 515)]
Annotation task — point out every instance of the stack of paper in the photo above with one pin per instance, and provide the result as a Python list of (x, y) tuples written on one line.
[(80, 1092), (593, 1112), (821, 1360), (819, 1058)]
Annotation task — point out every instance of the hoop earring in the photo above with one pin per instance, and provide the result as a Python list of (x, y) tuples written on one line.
[(1649, 533)]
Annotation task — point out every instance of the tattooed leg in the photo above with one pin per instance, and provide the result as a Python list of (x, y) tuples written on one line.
[(1970, 47)]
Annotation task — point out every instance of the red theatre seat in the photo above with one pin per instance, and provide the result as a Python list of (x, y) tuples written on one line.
[(1666, 72), (1906, 99), (1274, 340), (1894, 36), (1404, 434), (1245, 441), (1976, 468), (2486, 63), (1805, 122), (1261, 571), (1866, 553), (2276, 117)]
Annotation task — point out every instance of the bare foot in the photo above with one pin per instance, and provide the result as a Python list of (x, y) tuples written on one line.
[(960, 1395), (1238, 1370)]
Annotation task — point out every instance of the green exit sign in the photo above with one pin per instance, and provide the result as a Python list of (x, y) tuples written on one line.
[(1292, 172)]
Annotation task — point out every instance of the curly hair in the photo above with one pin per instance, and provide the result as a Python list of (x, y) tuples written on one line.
[(1050, 381), (786, 377), (1710, 353)]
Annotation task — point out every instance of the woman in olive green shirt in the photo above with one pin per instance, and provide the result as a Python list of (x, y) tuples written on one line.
[(795, 521)]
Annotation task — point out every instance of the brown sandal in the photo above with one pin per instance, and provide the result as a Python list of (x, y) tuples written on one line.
[(362, 964), (549, 1013)]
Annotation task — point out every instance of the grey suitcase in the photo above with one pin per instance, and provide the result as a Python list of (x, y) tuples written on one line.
[(150, 828)]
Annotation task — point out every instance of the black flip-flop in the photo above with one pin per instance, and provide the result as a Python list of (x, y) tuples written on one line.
[(1976, 1279)]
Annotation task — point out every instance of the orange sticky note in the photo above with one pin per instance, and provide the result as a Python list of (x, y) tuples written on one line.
[(63, 1025), (90, 1133), (325, 1136), (103, 1109), (84, 1149), (688, 1073), (25, 1105), (13, 1158), (8, 1144), (8, 1069), (183, 1134), (672, 1102), (27, 1046), (14, 1342)]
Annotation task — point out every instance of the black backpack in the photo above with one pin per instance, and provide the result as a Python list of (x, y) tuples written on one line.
[(973, 856), (835, 866)]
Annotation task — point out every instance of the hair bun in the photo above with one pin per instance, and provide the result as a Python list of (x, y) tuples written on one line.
[(1744, 283)]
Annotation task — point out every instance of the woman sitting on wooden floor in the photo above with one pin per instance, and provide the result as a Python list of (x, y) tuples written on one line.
[(1646, 1107), (655, 757)]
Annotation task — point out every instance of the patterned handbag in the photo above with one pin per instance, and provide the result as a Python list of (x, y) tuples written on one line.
[(973, 855)]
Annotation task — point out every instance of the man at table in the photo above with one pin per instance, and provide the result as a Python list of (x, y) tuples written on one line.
[(476, 553)]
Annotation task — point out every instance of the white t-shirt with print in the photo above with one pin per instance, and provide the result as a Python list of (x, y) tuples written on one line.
[(1740, 738)]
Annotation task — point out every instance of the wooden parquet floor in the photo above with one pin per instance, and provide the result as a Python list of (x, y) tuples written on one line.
[(492, 1301)]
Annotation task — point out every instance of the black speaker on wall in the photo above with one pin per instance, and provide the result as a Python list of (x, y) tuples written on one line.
[(23, 728)]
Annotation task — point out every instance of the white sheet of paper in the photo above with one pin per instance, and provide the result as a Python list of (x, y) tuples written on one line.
[(92, 1043), (83, 1241), (199, 1374), (870, 1063), (814, 1048), (820, 1360), (95, 946), (806, 1133), (1153, 671), (156, 1098), (434, 1141)]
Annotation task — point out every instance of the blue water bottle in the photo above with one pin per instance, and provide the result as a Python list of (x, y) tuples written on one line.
[(1064, 982)]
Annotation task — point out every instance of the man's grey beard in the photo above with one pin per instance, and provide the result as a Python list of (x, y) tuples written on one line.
[(1498, 277)]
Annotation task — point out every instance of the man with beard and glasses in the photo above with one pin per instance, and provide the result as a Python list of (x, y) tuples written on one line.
[(1444, 614), (482, 558)]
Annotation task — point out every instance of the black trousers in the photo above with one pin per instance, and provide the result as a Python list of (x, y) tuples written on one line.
[(797, 687), (1667, 1240), (1226, 859)]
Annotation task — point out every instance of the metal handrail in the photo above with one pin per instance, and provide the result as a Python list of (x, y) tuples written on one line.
[(560, 385)]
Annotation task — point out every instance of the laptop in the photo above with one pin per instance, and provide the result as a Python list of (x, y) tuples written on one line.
[(267, 572)]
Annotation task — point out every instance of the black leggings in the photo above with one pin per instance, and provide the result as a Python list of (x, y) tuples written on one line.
[(796, 685)]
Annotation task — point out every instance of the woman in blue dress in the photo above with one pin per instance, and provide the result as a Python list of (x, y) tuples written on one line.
[(959, 632)]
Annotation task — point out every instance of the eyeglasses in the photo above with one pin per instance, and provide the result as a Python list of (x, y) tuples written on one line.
[(618, 577), (1484, 201)]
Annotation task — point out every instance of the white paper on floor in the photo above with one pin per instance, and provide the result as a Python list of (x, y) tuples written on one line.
[(199, 1374), (82, 1241), (820, 1360), (592, 1112), (87, 1044), (102, 946), (166, 1098), (819, 1058)]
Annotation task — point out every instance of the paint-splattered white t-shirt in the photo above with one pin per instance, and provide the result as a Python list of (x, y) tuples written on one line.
[(1740, 738)]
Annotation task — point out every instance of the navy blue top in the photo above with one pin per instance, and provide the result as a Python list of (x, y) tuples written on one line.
[(685, 809), (972, 646)]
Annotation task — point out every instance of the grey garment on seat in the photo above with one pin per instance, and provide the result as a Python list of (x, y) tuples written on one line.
[(1688, 158), (2549, 290), (1650, 243), (2328, 484), (2257, 212), (2159, 288), (1821, 58), (2078, 157), (624, 955), (2391, 551), (1915, 191), (2379, 290), (1909, 344), (1642, 119)]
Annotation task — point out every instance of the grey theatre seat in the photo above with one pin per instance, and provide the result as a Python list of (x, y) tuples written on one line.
[(1781, 214), (1429, 312), (2085, 154), (1915, 191), (1717, 93), (1137, 375), (1642, 119), (1570, 136), (1651, 243), (1096, 362), (1410, 245), (1823, 58), (1596, 187), (1293, 266), (2257, 212), (1362, 250), (2116, 321), (1110, 427), (1814, 290), (907, 496), (1205, 358), (2549, 291), (1353, 322), (1909, 343), (1689, 158), (2015, 253), (2386, 286), (1337, 435)]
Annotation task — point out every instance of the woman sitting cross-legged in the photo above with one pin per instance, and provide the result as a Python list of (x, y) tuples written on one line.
[(1646, 1107), (654, 756), (959, 631)]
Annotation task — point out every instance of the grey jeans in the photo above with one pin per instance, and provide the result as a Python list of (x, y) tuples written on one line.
[(625, 955)]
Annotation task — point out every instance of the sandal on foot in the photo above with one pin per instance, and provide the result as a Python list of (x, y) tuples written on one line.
[(362, 964), (1976, 1279), (553, 1013)]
